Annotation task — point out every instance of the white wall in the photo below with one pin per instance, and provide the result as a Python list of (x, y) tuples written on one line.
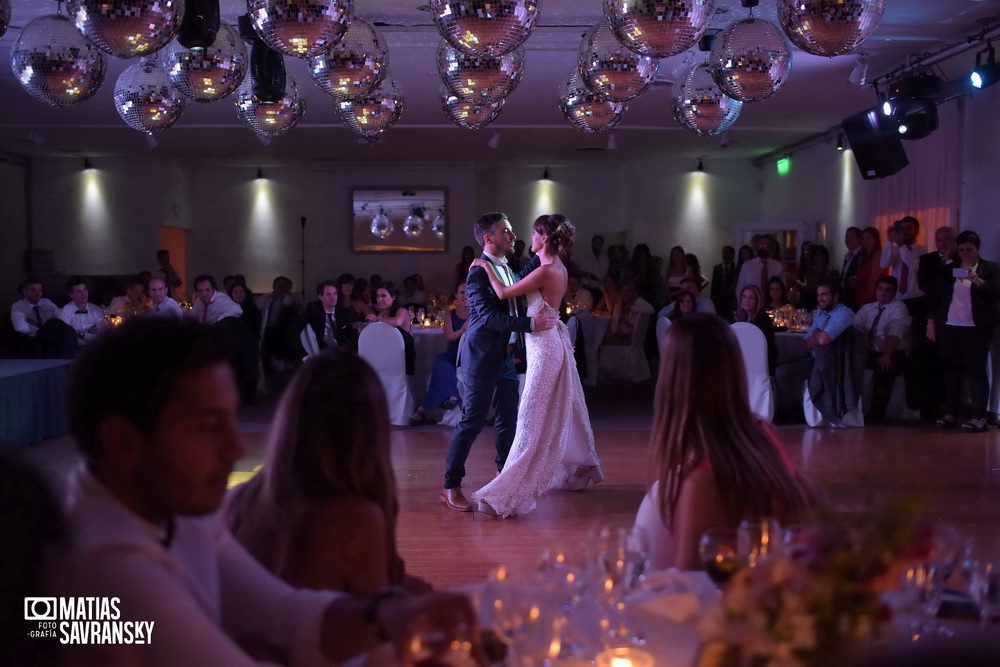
[(981, 173), (13, 232)]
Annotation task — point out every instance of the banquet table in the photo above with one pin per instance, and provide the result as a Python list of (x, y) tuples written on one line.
[(32, 399), (791, 345), (427, 343)]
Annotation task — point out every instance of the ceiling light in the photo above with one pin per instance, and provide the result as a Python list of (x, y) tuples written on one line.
[(915, 117), (887, 108), (986, 73), (902, 129)]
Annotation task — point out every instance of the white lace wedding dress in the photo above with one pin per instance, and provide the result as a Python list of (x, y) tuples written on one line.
[(554, 439)]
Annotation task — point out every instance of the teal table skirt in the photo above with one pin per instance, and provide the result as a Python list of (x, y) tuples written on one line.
[(32, 400)]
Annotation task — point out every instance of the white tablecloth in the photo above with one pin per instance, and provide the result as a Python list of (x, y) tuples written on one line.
[(427, 343)]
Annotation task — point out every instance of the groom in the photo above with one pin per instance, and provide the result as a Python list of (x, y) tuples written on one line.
[(485, 356)]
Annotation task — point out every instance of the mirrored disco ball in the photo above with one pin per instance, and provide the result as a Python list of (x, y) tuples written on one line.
[(480, 79), (374, 113), (829, 27), (127, 28), (145, 99), (586, 110), (355, 65), (700, 106), (485, 27), (54, 63), (750, 60), (413, 225), (611, 70), (301, 29), (207, 75), (468, 114), (269, 119), (382, 226), (438, 225), (658, 28), (4, 16)]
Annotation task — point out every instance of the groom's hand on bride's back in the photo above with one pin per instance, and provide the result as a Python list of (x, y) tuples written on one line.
[(543, 319)]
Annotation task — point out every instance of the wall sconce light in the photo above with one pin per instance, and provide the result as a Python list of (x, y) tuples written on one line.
[(701, 165), (87, 166), (545, 175), (840, 142), (260, 174)]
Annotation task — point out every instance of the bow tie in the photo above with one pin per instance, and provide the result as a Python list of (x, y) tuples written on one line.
[(81, 312)]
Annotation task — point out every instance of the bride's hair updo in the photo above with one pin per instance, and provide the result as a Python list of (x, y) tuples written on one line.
[(560, 231)]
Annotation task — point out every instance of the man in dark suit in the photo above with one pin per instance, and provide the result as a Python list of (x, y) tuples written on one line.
[(849, 270), (486, 356), (321, 317), (724, 284), (924, 374)]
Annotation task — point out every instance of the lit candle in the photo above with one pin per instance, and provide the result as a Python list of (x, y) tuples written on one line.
[(427, 321), (624, 657)]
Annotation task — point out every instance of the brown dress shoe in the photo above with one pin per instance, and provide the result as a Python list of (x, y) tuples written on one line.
[(454, 499)]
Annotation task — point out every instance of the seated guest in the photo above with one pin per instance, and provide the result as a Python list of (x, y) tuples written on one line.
[(361, 297), (227, 284), (344, 312), (279, 310), (683, 306), (323, 317), (716, 463), (167, 272), (211, 305), (838, 363), (243, 297), (693, 272), (159, 438), (762, 268), (86, 319), (751, 311), (163, 305), (963, 308), (442, 391), (625, 318), (777, 294), (886, 325), (609, 300), (322, 512), (689, 286), (677, 270), (411, 296), (133, 302), (577, 297), (39, 331), (388, 310)]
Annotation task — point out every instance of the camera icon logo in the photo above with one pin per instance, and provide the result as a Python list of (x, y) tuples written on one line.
[(40, 609)]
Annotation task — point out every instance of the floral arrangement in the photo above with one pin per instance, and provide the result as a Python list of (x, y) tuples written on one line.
[(821, 595)]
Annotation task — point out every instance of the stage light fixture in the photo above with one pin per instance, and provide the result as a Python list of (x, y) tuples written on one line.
[(986, 73), (915, 118), (840, 142)]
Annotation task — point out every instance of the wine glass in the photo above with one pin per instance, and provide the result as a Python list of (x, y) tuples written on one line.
[(637, 550), (985, 589), (435, 646), (757, 539), (946, 549), (718, 551)]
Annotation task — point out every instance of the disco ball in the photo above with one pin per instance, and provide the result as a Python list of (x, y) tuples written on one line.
[(301, 29), (586, 110), (207, 75), (480, 79), (470, 115), (658, 28), (413, 225), (4, 16), (54, 63), (374, 113), (750, 60), (829, 27), (145, 99), (438, 225), (270, 119), (382, 226), (355, 65), (701, 107), (611, 70), (485, 27), (127, 28)]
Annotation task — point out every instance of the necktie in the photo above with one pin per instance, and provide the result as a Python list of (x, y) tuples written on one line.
[(38, 316), (763, 276), (871, 332), (508, 279), (328, 335)]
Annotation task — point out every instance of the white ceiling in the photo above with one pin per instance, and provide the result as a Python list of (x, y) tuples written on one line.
[(531, 127)]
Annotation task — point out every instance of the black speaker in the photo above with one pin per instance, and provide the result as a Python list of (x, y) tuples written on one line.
[(876, 147)]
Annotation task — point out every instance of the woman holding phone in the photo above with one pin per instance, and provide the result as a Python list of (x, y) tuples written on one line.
[(963, 311)]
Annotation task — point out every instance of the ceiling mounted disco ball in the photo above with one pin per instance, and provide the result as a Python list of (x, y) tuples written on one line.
[(829, 27), (611, 70), (269, 119), (413, 225), (468, 114), (301, 29), (485, 27), (355, 65), (4, 16), (382, 226), (586, 110), (207, 75), (700, 106), (145, 99), (54, 63), (374, 113), (127, 28), (479, 79), (750, 60), (438, 225), (658, 28)]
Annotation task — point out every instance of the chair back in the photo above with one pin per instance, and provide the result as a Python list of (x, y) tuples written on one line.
[(753, 347), (662, 327), (307, 337), (381, 345)]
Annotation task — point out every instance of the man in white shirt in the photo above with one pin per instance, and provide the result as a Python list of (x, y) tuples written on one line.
[(594, 264), (159, 439), (163, 305), (759, 270), (625, 318), (86, 319), (702, 305), (33, 310), (902, 255), (576, 296), (886, 323), (211, 305), (39, 331), (133, 302)]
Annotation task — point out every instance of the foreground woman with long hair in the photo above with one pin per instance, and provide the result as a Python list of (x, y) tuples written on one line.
[(716, 463)]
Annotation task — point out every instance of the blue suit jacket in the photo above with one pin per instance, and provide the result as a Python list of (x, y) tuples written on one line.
[(484, 346)]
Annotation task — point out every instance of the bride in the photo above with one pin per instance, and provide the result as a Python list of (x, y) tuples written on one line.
[(554, 444)]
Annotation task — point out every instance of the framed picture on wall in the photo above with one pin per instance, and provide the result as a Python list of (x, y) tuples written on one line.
[(405, 219)]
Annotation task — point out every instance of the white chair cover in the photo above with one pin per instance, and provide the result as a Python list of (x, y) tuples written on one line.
[(662, 327), (627, 362), (753, 346), (381, 345), (309, 343), (853, 419)]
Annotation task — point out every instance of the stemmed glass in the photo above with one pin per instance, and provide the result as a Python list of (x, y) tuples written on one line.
[(985, 589), (718, 551)]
